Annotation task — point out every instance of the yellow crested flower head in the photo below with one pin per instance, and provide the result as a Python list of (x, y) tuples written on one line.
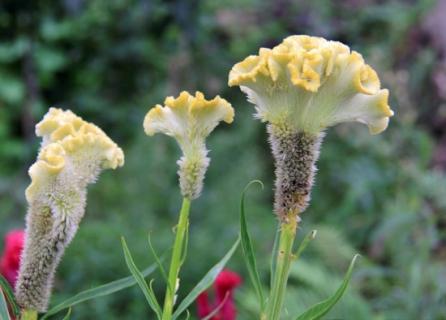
[(189, 119), (308, 84), (73, 152)]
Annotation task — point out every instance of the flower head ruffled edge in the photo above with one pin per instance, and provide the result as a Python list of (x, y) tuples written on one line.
[(188, 115), (307, 63), (64, 134)]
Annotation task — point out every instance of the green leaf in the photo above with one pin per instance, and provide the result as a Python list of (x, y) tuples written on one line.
[(248, 249), (310, 236), (4, 314), (9, 294), (217, 309), (158, 261), (206, 282), (67, 316), (147, 290), (320, 309), (274, 255), (97, 292)]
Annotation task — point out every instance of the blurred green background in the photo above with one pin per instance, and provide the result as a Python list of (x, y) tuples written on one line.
[(110, 60)]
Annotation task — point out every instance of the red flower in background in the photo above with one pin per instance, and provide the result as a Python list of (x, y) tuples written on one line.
[(224, 286), (10, 260)]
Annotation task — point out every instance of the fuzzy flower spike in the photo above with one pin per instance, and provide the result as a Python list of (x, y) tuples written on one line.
[(189, 119), (301, 87), (72, 155)]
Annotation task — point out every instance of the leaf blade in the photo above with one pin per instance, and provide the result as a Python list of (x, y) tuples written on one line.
[(320, 309), (248, 249), (100, 291), (4, 314), (9, 295), (205, 282), (147, 291), (67, 316)]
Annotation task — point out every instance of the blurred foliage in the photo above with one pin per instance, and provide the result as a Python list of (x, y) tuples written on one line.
[(109, 60)]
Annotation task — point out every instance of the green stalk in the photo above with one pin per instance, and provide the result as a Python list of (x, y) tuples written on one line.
[(29, 314), (175, 263), (283, 262)]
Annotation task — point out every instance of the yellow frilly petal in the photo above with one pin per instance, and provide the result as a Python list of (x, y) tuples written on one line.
[(188, 117), (69, 139), (304, 82)]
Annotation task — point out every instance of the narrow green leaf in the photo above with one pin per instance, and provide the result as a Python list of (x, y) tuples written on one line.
[(9, 294), (217, 309), (274, 255), (320, 309), (248, 249), (206, 282), (310, 236), (186, 244), (97, 292), (187, 315), (147, 291), (158, 261), (67, 316), (4, 314)]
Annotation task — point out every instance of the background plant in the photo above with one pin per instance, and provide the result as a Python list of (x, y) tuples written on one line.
[(387, 204)]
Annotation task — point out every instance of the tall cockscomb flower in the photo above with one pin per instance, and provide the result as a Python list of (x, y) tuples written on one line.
[(10, 260), (301, 87), (72, 155), (189, 119)]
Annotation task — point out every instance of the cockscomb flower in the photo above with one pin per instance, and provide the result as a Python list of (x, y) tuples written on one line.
[(10, 260), (72, 155), (224, 285), (301, 87), (189, 119)]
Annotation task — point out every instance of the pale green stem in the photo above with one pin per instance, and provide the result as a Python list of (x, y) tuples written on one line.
[(29, 314), (175, 263), (283, 262)]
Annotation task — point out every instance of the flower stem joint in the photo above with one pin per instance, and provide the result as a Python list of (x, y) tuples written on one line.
[(301, 87)]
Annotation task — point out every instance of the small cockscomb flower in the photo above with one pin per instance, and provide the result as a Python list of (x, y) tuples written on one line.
[(224, 285), (73, 153), (189, 119), (301, 87), (10, 260)]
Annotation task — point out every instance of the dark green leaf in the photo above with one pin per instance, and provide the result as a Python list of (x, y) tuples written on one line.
[(320, 309), (274, 255), (158, 261), (67, 316), (147, 291), (217, 309), (248, 249), (310, 236), (9, 294), (206, 282), (4, 314), (97, 292)]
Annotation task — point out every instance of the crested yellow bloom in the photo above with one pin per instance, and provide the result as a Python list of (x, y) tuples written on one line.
[(71, 149), (189, 119), (73, 153), (308, 84)]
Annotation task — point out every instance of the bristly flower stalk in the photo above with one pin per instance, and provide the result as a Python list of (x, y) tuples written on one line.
[(72, 155), (301, 87)]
